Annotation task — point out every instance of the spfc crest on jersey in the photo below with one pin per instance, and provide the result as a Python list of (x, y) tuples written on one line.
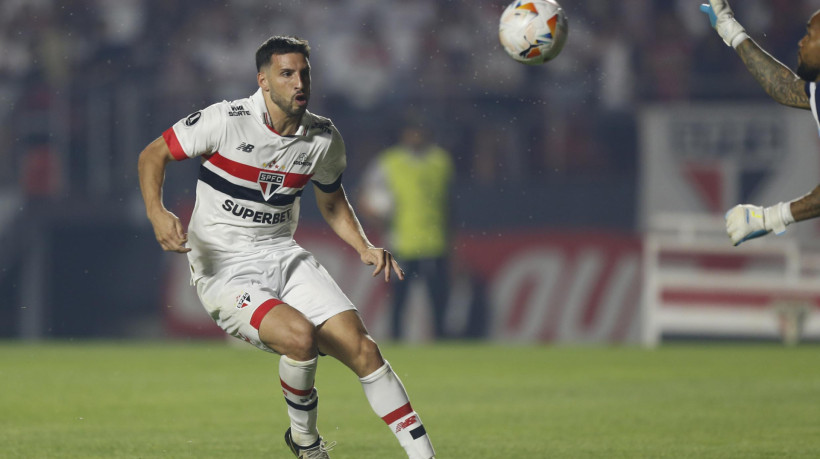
[(269, 181)]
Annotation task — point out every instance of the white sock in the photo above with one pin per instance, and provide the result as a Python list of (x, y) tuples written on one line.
[(389, 400), (297, 380)]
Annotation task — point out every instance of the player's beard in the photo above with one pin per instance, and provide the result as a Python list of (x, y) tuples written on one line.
[(287, 105), (805, 71)]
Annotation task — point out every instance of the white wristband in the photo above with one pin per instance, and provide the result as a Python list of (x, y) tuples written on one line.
[(786, 213), (777, 217), (739, 38), (732, 33)]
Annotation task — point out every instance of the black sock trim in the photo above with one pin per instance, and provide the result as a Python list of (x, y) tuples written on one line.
[(308, 407), (418, 432)]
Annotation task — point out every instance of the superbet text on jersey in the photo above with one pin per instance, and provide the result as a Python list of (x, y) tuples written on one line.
[(251, 178)]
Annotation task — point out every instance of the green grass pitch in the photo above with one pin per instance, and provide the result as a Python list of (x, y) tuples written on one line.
[(209, 400)]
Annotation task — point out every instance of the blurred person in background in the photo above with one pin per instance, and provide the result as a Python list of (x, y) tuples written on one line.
[(792, 88), (255, 281), (407, 189)]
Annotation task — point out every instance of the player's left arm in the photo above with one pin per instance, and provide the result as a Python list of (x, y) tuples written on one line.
[(339, 214), (779, 82)]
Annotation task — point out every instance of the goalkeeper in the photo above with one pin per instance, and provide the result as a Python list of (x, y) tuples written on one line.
[(795, 89)]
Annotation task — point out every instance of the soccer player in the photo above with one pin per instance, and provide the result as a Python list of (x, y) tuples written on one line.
[(258, 285), (795, 89)]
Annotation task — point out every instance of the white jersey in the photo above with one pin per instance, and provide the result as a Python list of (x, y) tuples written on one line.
[(814, 96), (251, 178)]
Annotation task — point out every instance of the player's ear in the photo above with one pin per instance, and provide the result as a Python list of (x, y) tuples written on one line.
[(262, 80)]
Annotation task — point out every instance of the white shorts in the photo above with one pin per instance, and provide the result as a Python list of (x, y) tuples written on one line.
[(243, 290)]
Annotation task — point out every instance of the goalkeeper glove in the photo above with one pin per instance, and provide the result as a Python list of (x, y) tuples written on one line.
[(744, 221), (723, 20)]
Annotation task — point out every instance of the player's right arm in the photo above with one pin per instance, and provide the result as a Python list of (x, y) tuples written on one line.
[(808, 206), (780, 82), (167, 227), (745, 221)]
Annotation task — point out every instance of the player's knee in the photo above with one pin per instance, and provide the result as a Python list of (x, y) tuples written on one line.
[(301, 343), (369, 358)]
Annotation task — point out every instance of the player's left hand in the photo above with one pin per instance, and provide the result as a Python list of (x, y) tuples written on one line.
[(384, 261), (745, 221)]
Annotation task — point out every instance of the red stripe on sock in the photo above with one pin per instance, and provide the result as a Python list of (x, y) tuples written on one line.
[(264, 308), (398, 414), (299, 392)]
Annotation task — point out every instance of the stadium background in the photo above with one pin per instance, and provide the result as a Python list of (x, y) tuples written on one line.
[(548, 158)]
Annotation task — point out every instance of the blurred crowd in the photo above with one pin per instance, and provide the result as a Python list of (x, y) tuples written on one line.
[(79, 76)]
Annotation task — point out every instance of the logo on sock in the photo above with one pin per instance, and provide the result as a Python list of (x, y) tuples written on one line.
[(308, 399), (406, 423)]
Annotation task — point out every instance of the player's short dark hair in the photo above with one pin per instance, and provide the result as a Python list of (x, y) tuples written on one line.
[(279, 44)]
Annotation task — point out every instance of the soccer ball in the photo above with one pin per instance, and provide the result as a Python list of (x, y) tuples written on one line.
[(533, 31)]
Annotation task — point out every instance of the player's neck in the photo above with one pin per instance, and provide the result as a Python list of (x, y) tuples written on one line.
[(280, 122)]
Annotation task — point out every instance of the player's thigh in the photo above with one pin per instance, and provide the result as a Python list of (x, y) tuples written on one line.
[(238, 306), (309, 288), (345, 337), (288, 332)]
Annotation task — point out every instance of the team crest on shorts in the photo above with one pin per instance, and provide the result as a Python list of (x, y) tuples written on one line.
[(269, 181), (243, 300)]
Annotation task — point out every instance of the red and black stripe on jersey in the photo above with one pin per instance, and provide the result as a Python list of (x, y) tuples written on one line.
[(251, 174)]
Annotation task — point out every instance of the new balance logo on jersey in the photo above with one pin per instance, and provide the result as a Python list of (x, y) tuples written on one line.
[(246, 147), (238, 110), (269, 182)]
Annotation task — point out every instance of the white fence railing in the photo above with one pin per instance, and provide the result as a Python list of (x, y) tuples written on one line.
[(696, 284)]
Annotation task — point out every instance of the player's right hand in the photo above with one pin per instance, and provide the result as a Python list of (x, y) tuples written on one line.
[(169, 232), (723, 20), (745, 221)]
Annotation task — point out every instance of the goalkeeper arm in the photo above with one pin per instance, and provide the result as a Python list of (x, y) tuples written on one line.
[(745, 221), (779, 82)]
